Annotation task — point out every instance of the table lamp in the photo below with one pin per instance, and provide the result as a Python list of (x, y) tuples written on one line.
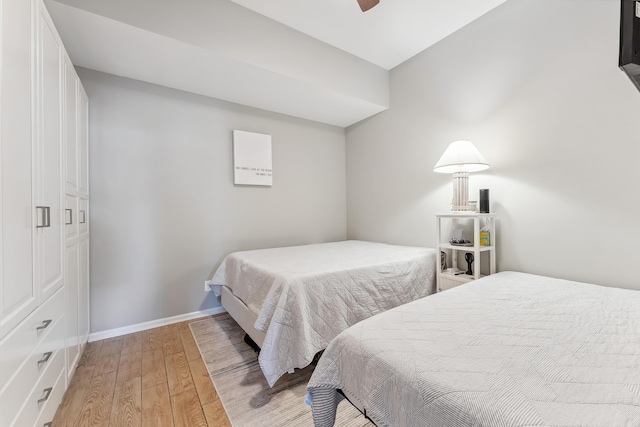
[(460, 158)]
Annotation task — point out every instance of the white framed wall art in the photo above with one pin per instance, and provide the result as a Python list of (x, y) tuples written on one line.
[(252, 158)]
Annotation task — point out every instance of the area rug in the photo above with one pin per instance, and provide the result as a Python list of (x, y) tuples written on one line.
[(242, 388)]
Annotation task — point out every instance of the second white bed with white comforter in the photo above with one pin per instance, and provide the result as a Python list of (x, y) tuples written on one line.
[(304, 296)]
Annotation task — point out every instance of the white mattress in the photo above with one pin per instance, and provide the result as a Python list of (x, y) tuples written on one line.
[(306, 295), (511, 349)]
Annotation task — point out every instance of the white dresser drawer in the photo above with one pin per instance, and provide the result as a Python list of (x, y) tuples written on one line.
[(51, 406), (42, 392), (22, 340), (17, 390)]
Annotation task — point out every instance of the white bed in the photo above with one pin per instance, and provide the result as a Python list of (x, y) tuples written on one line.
[(511, 349), (293, 301)]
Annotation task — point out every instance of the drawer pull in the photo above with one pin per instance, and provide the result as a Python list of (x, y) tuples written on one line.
[(70, 220), (45, 357), (47, 393), (44, 325), (45, 216)]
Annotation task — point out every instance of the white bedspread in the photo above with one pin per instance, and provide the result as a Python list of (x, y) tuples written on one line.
[(306, 295), (511, 349)]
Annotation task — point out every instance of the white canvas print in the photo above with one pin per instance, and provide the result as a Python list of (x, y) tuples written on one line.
[(252, 158)]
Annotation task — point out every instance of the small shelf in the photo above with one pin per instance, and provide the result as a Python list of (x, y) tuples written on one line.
[(449, 279), (465, 248), (460, 276), (465, 214)]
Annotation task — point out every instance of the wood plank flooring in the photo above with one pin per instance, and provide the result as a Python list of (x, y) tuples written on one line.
[(153, 378)]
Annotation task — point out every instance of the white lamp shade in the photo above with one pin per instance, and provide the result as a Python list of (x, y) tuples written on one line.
[(461, 156)]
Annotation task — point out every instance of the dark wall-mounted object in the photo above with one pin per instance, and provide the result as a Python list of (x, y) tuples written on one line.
[(629, 59)]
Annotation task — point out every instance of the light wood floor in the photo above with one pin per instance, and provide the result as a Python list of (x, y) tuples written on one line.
[(152, 378)]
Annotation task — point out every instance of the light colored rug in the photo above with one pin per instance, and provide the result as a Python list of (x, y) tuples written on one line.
[(242, 388)]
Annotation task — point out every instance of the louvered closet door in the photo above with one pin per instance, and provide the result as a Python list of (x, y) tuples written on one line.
[(50, 196), (17, 216)]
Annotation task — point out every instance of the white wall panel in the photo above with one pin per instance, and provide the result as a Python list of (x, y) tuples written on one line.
[(535, 85), (164, 209)]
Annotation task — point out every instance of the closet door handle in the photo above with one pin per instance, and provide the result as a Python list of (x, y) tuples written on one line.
[(47, 393), (44, 325), (44, 213), (45, 357), (70, 212), (83, 217)]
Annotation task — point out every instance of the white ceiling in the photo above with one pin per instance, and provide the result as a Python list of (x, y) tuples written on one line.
[(322, 60), (387, 35)]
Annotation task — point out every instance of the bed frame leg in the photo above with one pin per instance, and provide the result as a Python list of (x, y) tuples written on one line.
[(251, 343)]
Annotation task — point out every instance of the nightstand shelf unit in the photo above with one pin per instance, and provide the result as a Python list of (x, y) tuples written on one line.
[(454, 276)]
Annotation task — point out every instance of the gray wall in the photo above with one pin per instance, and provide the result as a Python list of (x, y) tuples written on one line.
[(164, 209), (535, 85)]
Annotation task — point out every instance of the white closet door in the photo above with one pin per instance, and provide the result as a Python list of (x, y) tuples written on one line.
[(72, 308), (50, 196), (71, 217), (83, 141), (83, 291), (83, 217), (71, 122), (17, 289)]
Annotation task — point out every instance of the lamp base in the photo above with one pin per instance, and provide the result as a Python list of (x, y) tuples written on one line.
[(460, 201)]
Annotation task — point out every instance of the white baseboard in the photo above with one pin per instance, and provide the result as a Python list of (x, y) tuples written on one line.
[(97, 336)]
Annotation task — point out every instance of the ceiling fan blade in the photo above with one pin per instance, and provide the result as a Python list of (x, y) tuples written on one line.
[(367, 4)]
